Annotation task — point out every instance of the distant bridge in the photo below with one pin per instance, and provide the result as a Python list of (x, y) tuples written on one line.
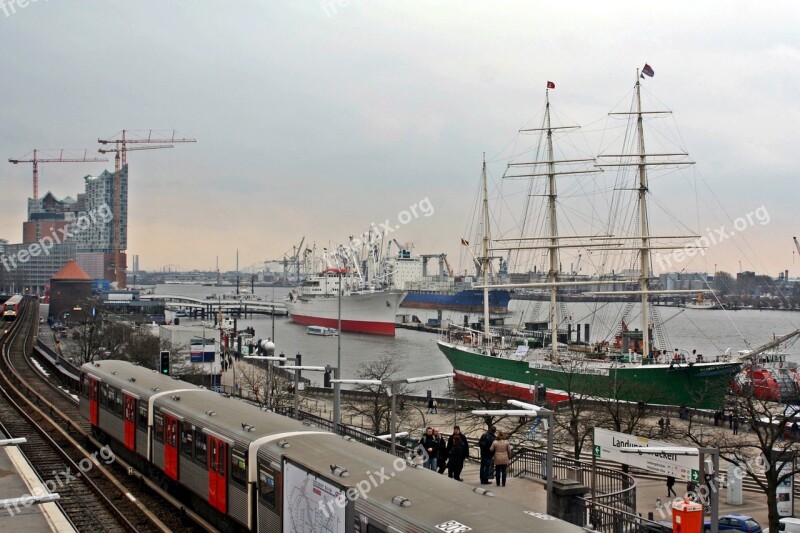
[(208, 307)]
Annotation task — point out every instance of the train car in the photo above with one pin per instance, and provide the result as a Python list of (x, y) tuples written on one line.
[(245, 469), (11, 308)]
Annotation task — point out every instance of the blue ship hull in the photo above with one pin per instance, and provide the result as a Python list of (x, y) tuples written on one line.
[(470, 301)]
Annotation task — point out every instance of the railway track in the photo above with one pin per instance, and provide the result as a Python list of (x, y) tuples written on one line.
[(91, 495)]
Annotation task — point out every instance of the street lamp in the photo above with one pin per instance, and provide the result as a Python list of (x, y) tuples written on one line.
[(392, 385), (527, 409)]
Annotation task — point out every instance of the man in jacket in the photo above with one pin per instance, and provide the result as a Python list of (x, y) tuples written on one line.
[(431, 447), (485, 444)]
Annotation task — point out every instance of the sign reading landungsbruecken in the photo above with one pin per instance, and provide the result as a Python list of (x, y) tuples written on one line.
[(607, 445)]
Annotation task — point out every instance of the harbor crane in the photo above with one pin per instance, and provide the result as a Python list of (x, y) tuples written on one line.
[(119, 270), (126, 137), (797, 244), (53, 156)]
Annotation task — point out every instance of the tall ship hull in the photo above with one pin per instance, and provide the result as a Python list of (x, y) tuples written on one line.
[(700, 385), (363, 312), (468, 301)]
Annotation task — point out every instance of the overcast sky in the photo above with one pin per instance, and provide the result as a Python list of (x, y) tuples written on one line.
[(317, 118)]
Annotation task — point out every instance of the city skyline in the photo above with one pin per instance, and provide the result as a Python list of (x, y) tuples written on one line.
[(319, 119)]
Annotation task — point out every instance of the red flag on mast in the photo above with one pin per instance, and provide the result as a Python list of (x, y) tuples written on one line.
[(551, 85)]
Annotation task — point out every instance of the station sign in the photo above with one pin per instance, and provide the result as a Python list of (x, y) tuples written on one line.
[(607, 445)]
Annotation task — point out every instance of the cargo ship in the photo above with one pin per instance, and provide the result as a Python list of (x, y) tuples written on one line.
[(468, 301), (491, 360), (363, 309)]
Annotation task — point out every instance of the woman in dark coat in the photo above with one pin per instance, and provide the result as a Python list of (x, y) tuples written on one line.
[(457, 452)]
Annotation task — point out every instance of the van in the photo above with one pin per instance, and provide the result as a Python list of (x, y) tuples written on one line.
[(790, 525)]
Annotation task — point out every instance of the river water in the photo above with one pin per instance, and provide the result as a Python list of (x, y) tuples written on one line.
[(710, 332)]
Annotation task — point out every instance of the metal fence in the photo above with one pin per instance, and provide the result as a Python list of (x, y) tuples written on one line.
[(610, 519)]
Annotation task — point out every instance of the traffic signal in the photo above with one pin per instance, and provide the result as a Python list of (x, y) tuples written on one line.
[(165, 363)]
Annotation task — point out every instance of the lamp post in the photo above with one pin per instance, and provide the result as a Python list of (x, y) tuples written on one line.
[(527, 409), (391, 391), (337, 389)]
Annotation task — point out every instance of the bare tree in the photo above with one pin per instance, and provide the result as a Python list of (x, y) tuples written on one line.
[(274, 392), (375, 406), (488, 395)]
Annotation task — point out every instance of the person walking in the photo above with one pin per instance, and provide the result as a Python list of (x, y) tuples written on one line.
[(736, 426), (485, 444), (502, 456), (429, 444), (666, 425), (661, 425), (670, 485), (449, 448), (435, 406), (457, 453), (430, 405), (441, 457)]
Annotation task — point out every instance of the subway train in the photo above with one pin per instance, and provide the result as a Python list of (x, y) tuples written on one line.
[(246, 469), (11, 307)]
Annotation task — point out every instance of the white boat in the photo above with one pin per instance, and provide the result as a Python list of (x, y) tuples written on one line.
[(701, 303), (363, 309), (322, 331)]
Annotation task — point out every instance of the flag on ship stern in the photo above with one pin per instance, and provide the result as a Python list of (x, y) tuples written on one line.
[(551, 85), (648, 70), (464, 243)]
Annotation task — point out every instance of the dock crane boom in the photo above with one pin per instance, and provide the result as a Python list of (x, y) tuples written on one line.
[(797, 244), (53, 156)]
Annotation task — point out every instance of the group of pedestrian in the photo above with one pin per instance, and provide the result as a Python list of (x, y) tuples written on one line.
[(448, 455), (495, 451), (663, 424), (432, 405)]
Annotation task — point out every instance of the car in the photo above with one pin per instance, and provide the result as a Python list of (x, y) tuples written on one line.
[(790, 525), (736, 522)]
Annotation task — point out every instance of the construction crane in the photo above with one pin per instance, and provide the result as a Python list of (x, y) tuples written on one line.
[(52, 156), (143, 137), (119, 272)]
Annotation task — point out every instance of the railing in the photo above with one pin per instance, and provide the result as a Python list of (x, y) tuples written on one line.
[(609, 519), (612, 487)]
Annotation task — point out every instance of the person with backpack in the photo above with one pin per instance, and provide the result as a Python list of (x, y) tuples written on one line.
[(485, 444)]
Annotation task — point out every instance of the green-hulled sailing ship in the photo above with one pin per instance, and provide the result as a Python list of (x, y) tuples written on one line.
[(640, 369)]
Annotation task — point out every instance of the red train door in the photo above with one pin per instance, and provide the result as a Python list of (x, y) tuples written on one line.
[(94, 393), (130, 422), (217, 474), (171, 446)]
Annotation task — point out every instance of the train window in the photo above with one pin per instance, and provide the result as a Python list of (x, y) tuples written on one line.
[(104, 395), (239, 466), (142, 416), (118, 405), (158, 427), (266, 486), (111, 398), (375, 529), (187, 440), (201, 448)]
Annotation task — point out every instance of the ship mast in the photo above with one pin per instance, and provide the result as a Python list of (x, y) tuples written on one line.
[(485, 258), (551, 209), (644, 251)]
